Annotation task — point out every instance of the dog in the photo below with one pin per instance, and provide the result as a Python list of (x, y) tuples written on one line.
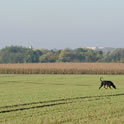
[(106, 84)]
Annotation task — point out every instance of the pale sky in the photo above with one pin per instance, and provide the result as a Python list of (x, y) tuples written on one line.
[(62, 23)]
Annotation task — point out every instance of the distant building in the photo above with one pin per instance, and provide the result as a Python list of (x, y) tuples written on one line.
[(95, 48), (30, 47)]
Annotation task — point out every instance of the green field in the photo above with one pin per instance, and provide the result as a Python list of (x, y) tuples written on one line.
[(60, 99)]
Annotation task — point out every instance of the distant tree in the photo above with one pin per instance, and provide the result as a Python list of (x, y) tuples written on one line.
[(115, 56), (13, 54), (66, 56), (80, 54), (48, 57), (18, 54)]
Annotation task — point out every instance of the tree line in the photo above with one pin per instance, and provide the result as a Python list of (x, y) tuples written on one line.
[(19, 54)]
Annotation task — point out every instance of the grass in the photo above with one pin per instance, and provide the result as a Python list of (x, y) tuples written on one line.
[(60, 99)]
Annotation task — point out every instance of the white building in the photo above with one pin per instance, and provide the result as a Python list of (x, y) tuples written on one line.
[(95, 48)]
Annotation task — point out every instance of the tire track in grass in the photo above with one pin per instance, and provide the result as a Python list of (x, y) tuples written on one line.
[(33, 107), (39, 113), (50, 103)]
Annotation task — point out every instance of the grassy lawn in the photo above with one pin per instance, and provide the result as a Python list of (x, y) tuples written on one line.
[(60, 99)]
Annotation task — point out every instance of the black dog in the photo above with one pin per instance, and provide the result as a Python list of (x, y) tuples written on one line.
[(107, 83)]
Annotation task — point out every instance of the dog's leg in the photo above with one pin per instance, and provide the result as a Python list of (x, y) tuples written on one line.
[(100, 86), (110, 87), (106, 86)]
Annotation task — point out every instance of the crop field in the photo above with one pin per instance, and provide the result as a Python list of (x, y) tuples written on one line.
[(60, 99), (63, 68)]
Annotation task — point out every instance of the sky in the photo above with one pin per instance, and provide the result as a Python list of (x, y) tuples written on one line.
[(62, 23)]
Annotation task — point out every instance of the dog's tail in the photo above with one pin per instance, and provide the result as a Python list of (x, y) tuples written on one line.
[(101, 79), (113, 86)]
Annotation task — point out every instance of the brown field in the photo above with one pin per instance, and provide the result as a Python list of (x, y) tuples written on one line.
[(63, 68)]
